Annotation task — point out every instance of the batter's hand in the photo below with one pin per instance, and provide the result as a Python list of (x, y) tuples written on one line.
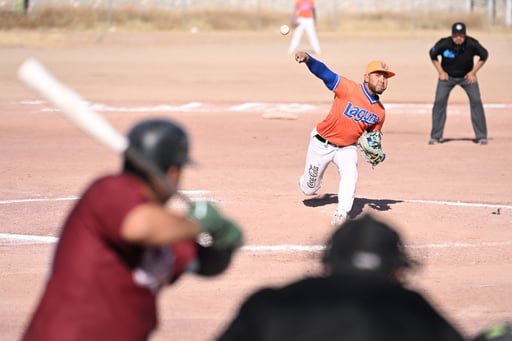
[(228, 236), (301, 57), (225, 233)]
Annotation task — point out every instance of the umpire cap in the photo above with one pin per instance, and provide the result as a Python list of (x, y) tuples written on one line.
[(366, 244), (458, 28), (162, 142)]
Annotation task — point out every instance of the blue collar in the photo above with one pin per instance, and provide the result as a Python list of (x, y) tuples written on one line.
[(372, 99)]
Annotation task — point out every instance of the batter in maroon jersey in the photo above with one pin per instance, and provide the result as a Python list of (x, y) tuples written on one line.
[(120, 246)]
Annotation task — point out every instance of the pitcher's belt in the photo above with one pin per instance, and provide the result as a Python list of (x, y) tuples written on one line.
[(321, 139)]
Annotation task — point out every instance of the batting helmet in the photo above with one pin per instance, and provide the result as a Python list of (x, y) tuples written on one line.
[(162, 142)]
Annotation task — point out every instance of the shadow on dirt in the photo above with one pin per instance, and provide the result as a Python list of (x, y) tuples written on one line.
[(359, 203), (463, 139)]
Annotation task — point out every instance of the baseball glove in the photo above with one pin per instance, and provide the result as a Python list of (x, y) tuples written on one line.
[(370, 143)]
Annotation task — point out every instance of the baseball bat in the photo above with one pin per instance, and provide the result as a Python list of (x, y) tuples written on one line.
[(74, 108)]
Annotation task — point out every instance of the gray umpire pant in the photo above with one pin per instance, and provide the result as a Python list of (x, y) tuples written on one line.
[(441, 102)]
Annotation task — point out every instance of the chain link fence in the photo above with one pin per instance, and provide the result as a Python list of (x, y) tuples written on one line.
[(497, 11)]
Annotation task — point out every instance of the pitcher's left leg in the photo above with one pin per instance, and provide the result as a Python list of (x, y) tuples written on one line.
[(346, 161), (318, 157)]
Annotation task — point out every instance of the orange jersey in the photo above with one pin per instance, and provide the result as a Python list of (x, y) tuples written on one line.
[(304, 8), (353, 111)]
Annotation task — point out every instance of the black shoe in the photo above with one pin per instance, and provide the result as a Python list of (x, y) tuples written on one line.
[(481, 141), (434, 141)]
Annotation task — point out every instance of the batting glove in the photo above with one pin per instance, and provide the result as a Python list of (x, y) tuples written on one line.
[(224, 233)]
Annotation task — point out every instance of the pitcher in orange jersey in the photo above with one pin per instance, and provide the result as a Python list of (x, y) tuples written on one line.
[(356, 108)]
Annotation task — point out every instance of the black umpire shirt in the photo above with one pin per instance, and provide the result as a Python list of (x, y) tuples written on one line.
[(339, 307), (457, 61)]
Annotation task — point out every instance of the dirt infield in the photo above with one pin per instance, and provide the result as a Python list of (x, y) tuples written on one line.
[(452, 201)]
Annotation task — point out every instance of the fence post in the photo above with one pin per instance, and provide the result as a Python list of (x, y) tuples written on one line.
[(22, 6), (490, 13), (183, 13), (508, 13), (259, 23), (109, 14)]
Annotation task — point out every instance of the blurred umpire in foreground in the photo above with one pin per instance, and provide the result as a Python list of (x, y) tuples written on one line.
[(362, 296), (120, 246), (457, 67)]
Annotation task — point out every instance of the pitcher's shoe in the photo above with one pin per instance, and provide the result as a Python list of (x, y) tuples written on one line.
[(338, 219)]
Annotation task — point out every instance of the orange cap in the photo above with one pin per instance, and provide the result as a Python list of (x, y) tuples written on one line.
[(379, 66)]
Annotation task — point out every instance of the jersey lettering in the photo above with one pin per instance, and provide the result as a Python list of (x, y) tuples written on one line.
[(360, 115)]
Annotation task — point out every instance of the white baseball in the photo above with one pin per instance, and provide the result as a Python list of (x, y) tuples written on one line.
[(284, 30)]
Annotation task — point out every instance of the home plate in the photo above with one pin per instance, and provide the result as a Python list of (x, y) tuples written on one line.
[(279, 116)]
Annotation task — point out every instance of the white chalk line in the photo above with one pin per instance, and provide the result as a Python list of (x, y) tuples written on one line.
[(19, 239), (23, 239), (317, 248), (32, 200), (205, 194), (196, 194), (248, 107), (455, 203)]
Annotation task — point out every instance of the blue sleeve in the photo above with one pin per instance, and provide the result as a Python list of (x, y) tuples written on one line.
[(435, 51), (321, 70)]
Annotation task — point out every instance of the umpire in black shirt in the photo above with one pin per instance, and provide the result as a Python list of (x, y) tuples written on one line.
[(362, 296), (457, 67)]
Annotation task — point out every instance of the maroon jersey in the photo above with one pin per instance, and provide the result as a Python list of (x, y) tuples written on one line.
[(101, 287)]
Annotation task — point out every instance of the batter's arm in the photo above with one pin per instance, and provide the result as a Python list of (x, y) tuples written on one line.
[(150, 224)]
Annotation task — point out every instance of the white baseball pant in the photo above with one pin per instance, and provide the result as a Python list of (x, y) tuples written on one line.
[(318, 157)]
